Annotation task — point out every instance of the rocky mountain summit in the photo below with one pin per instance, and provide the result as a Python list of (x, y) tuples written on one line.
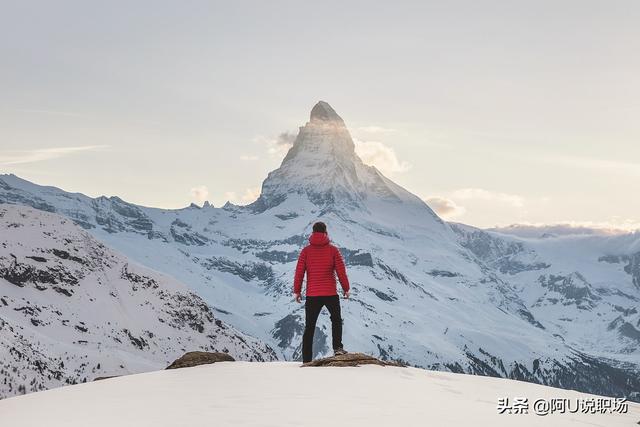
[(323, 168), (322, 111)]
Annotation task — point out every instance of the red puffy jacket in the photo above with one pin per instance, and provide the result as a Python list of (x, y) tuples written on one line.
[(320, 260)]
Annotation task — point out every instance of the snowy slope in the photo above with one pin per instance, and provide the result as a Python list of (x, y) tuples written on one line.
[(283, 394), (433, 294), (585, 288), (72, 309)]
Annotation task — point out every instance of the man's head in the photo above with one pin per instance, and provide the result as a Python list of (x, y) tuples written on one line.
[(320, 227)]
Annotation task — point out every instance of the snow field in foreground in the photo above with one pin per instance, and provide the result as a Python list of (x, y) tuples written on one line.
[(284, 394)]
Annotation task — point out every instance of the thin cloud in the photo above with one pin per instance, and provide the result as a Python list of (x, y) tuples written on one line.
[(199, 193), (514, 200), (376, 129), (278, 146), (446, 208), (247, 158), (40, 155), (603, 165), (615, 226), (250, 195), (50, 112), (381, 156), (286, 138)]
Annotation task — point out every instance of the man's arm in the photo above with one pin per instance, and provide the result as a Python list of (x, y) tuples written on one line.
[(341, 270), (301, 268)]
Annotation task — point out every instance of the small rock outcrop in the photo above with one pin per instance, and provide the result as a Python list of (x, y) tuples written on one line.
[(351, 359), (196, 358), (105, 378)]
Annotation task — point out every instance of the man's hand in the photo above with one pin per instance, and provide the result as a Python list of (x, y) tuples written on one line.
[(297, 297), (347, 294)]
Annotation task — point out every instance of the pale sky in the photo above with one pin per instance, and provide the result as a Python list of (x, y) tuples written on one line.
[(496, 112)]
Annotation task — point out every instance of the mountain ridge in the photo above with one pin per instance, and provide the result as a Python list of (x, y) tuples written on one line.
[(71, 309)]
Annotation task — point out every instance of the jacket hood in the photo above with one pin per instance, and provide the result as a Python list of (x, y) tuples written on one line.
[(319, 239)]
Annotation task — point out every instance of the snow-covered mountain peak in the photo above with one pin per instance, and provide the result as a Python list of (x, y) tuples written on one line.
[(323, 168)]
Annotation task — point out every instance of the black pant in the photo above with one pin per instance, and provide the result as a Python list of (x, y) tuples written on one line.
[(312, 308)]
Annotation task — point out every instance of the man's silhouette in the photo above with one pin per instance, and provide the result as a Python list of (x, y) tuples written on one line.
[(321, 261)]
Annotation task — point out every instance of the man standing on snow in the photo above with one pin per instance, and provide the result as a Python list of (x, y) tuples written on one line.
[(321, 261)]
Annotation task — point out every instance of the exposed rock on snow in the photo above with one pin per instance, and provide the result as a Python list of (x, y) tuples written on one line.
[(105, 378), (351, 359), (196, 358)]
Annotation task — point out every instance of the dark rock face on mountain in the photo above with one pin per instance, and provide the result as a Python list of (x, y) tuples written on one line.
[(323, 111), (105, 378), (633, 268), (196, 358), (351, 359)]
